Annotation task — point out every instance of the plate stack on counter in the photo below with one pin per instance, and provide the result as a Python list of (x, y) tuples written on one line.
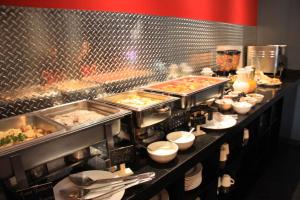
[(193, 177), (162, 195)]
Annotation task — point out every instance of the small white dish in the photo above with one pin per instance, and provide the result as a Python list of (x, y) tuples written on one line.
[(162, 151), (237, 93), (248, 99), (206, 71), (183, 139), (230, 96), (241, 107), (224, 104), (220, 122), (258, 97)]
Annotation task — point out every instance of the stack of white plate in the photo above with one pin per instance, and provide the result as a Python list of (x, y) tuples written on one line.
[(162, 195), (193, 177)]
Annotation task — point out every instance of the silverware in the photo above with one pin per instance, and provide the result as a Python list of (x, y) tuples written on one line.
[(99, 193), (191, 131), (80, 180)]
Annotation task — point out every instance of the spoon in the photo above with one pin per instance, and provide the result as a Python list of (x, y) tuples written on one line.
[(192, 130)]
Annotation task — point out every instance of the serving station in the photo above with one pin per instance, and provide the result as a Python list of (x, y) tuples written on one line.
[(40, 146), (100, 133), (204, 122), (148, 110)]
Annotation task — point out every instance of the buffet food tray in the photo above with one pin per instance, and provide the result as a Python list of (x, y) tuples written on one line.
[(158, 100), (201, 88), (152, 113), (159, 87), (63, 140), (108, 112), (28, 152), (35, 121)]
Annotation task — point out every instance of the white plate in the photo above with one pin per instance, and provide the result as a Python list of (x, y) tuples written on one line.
[(268, 83), (226, 122), (95, 174)]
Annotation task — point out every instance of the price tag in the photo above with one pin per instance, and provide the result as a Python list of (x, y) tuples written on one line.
[(122, 155)]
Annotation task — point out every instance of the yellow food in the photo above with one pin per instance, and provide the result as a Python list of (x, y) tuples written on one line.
[(263, 79), (137, 100), (17, 135)]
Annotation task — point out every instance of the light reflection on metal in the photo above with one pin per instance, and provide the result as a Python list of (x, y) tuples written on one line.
[(43, 46)]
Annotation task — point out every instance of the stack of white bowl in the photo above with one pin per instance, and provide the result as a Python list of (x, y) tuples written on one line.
[(193, 177)]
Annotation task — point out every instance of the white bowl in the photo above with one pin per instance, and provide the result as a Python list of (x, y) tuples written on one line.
[(249, 99), (224, 104), (183, 139), (258, 97), (230, 96), (241, 107), (162, 151), (237, 93)]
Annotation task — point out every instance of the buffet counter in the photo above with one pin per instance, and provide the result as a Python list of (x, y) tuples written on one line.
[(142, 115), (206, 150)]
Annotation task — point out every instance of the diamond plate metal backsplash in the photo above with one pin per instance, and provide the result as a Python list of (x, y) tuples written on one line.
[(52, 56)]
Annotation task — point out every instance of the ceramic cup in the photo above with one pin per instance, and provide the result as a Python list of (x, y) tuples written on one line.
[(225, 147), (223, 155), (246, 134), (227, 181)]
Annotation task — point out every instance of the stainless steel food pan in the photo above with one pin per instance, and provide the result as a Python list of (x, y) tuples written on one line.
[(195, 96), (35, 121), (110, 112), (147, 115)]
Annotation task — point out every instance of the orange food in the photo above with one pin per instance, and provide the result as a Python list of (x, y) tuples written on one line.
[(186, 85)]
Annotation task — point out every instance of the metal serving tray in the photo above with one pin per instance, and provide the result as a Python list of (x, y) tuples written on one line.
[(163, 99), (145, 116), (27, 152), (193, 97), (219, 81), (110, 113), (63, 141), (33, 120)]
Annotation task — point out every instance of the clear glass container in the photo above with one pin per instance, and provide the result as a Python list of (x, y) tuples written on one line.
[(242, 84)]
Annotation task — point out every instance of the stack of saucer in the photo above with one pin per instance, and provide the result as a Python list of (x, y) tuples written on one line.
[(193, 177)]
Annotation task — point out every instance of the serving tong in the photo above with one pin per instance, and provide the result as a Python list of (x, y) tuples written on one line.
[(104, 188), (83, 181)]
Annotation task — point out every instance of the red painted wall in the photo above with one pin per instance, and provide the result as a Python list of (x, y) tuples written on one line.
[(243, 12)]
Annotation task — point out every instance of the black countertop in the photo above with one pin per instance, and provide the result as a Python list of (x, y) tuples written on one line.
[(204, 145)]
